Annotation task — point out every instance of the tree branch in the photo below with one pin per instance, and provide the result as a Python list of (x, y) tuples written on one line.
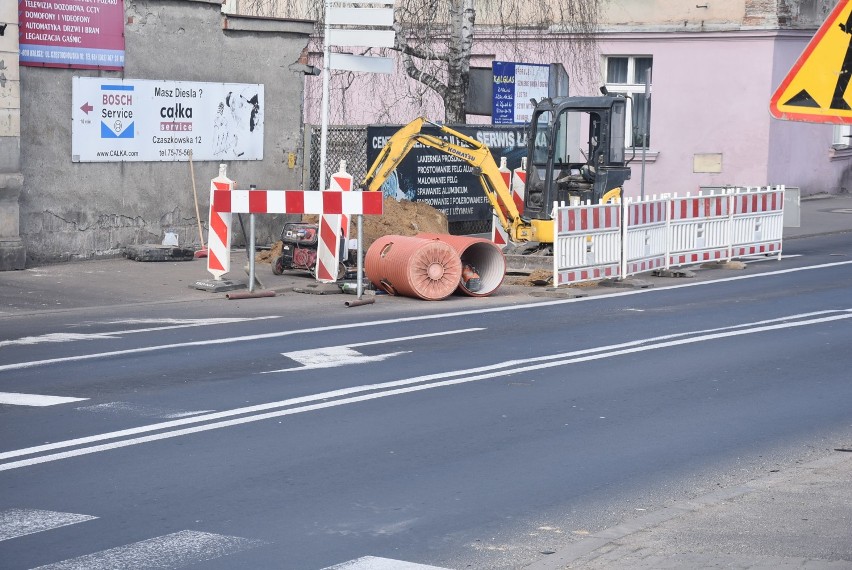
[(426, 79), (419, 52)]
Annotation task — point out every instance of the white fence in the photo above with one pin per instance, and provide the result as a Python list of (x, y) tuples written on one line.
[(618, 240)]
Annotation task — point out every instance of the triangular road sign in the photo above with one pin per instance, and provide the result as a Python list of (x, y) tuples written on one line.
[(815, 90)]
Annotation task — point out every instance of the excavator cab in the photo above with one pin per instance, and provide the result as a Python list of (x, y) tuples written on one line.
[(576, 150)]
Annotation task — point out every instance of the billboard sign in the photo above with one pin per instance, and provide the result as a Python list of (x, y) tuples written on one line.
[(444, 181), (126, 120), (80, 34), (514, 85)]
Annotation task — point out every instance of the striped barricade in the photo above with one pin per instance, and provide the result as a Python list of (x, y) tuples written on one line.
[(219, 232), (757, 221), (519, 184), (297, 202), (587, 244), (699, 229), (646, 235), (333, 231), (499, 235)]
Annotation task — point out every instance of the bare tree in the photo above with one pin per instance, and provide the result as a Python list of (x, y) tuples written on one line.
[(435, 38)]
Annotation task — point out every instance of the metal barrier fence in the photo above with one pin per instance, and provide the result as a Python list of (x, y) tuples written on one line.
[(350, 144), (618, 240)]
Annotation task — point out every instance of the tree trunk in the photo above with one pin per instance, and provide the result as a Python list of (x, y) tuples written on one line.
[(462, 16)]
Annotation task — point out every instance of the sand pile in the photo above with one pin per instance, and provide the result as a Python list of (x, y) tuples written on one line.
[(399, 218)]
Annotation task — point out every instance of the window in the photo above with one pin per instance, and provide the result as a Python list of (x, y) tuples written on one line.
[(626, 75), (842, 136)]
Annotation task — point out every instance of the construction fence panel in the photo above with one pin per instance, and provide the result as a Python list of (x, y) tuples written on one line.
[(591, 243), (699, 229), (758, 221), (646, 235), (587, 244)]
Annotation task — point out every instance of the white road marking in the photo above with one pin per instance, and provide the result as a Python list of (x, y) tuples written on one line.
[(343, 355), (374, 563), (140, 410), (173, 324), (345, 396), (21, 522), (359, 325), (331, 357), (174, 550), (16, 399)]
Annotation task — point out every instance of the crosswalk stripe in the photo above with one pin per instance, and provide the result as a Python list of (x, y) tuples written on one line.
[(16, 399), (174, 550), (21, 522), (374, 563)]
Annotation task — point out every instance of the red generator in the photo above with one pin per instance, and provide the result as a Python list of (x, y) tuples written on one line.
[(300, 249)]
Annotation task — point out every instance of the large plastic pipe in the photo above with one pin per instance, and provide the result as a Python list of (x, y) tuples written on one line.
[(413, 267), (481, 255)]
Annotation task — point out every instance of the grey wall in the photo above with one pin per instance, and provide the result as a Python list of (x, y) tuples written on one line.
[(84, 210)]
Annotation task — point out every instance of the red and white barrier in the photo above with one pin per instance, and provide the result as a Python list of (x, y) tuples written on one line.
[(224, 201), (699, 229), (519, 184), (333, 231), (646, 230), (666, 232), (219, 233), (758, 222), (296, 202), (499, 235), (587, 243)]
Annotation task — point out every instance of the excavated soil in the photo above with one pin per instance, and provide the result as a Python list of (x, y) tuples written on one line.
[(399, 218)]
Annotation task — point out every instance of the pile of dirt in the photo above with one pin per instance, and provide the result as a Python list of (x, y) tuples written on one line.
[(269, 255), (402, 218), (398, 218)]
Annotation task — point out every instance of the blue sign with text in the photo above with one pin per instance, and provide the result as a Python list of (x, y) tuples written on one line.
[(514, 85)]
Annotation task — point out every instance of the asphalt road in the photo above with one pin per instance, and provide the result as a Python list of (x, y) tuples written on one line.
[(454, 438)]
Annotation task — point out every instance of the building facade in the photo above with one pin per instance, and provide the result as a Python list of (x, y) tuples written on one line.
[(712, 69), (56, 205)]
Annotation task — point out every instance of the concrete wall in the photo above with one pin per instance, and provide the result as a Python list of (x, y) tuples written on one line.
[(12, 252), (83, 210)]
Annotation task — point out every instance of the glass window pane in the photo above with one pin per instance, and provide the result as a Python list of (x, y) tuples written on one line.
[(542, 137), (641, 64), (616, 150), (640, 136), (616, 70)]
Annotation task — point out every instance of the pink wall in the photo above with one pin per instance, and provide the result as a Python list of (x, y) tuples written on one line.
[(711, 93)]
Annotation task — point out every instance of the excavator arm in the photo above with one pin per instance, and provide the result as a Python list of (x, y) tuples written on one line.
[(467, 149)]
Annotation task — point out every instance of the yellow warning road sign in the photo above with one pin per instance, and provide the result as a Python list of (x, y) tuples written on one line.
[(815, 90)]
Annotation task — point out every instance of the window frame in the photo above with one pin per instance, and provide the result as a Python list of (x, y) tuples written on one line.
[(630, 89)]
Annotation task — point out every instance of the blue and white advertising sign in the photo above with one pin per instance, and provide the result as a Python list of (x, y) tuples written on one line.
[(128, 120), (514, 85)]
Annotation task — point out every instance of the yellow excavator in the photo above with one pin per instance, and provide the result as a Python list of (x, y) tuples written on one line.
[(557, 127)]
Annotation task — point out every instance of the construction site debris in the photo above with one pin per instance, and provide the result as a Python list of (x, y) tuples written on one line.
[(398, 218)]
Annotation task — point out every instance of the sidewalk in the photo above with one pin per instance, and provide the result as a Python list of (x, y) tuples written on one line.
[(797, 518), (113, 282)]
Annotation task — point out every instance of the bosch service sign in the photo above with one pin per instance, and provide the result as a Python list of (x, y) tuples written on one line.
[(117, 120)]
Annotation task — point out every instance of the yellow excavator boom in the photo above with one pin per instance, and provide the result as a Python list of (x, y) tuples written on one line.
[(474, 153)]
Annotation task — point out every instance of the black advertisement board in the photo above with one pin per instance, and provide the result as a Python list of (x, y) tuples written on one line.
[(443, 181)]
